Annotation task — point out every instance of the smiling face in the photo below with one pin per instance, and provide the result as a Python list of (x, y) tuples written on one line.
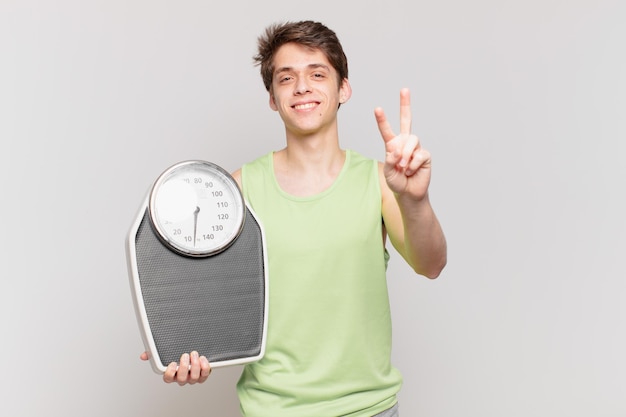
[(306, 90)]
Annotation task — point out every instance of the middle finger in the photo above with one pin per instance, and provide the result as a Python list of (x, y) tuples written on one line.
[(405, 111)]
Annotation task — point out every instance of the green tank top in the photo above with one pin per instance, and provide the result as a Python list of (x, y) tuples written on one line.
[(329, 329)]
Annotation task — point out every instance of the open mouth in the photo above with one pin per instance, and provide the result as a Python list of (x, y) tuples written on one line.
[(304, 106)]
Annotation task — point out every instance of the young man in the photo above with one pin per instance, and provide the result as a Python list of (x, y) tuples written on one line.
[(327, 213)]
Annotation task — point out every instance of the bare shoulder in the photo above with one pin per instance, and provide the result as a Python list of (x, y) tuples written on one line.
[(237, 176)]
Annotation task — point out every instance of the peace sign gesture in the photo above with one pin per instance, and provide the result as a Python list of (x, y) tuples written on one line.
[(407, 164)]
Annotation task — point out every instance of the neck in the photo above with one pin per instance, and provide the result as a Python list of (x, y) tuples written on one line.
[(315, 150), (307, 168), (308, 155)]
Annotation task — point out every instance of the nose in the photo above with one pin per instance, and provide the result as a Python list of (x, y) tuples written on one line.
[(302, 86)]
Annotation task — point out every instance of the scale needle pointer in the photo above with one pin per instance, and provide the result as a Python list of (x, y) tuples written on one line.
[(195, 224)]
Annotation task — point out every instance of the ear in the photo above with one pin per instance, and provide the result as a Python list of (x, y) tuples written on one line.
[(273, 105), (345, 91)]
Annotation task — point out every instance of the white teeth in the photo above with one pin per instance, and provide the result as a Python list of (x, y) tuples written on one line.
[(304, 106)]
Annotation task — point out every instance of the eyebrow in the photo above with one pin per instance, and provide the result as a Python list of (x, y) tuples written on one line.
[(310, 66)]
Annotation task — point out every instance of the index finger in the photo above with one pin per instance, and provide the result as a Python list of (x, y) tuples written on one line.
[(405, 111), (383, 125)]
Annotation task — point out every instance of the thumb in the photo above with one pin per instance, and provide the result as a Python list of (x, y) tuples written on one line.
[(392, 157)]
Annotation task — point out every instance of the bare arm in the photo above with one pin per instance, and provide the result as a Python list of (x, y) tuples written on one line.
[(409, 218)]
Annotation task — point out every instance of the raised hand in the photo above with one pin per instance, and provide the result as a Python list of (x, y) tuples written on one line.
[(407, 165)]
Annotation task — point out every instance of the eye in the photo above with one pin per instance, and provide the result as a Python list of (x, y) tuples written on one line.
[(318, 75), (284, 78)]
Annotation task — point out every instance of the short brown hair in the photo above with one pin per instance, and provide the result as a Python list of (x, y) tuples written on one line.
[(307, 33)]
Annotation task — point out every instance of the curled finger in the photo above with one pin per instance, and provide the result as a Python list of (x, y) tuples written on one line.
[(169, 375), (183, 369), (411, 144), (420, 159), (205, 369), (194, 369)]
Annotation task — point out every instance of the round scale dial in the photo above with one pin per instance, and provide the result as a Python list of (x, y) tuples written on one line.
[(196, 208)]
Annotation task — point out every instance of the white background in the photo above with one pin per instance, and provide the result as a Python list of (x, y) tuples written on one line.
[(521, 103)]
